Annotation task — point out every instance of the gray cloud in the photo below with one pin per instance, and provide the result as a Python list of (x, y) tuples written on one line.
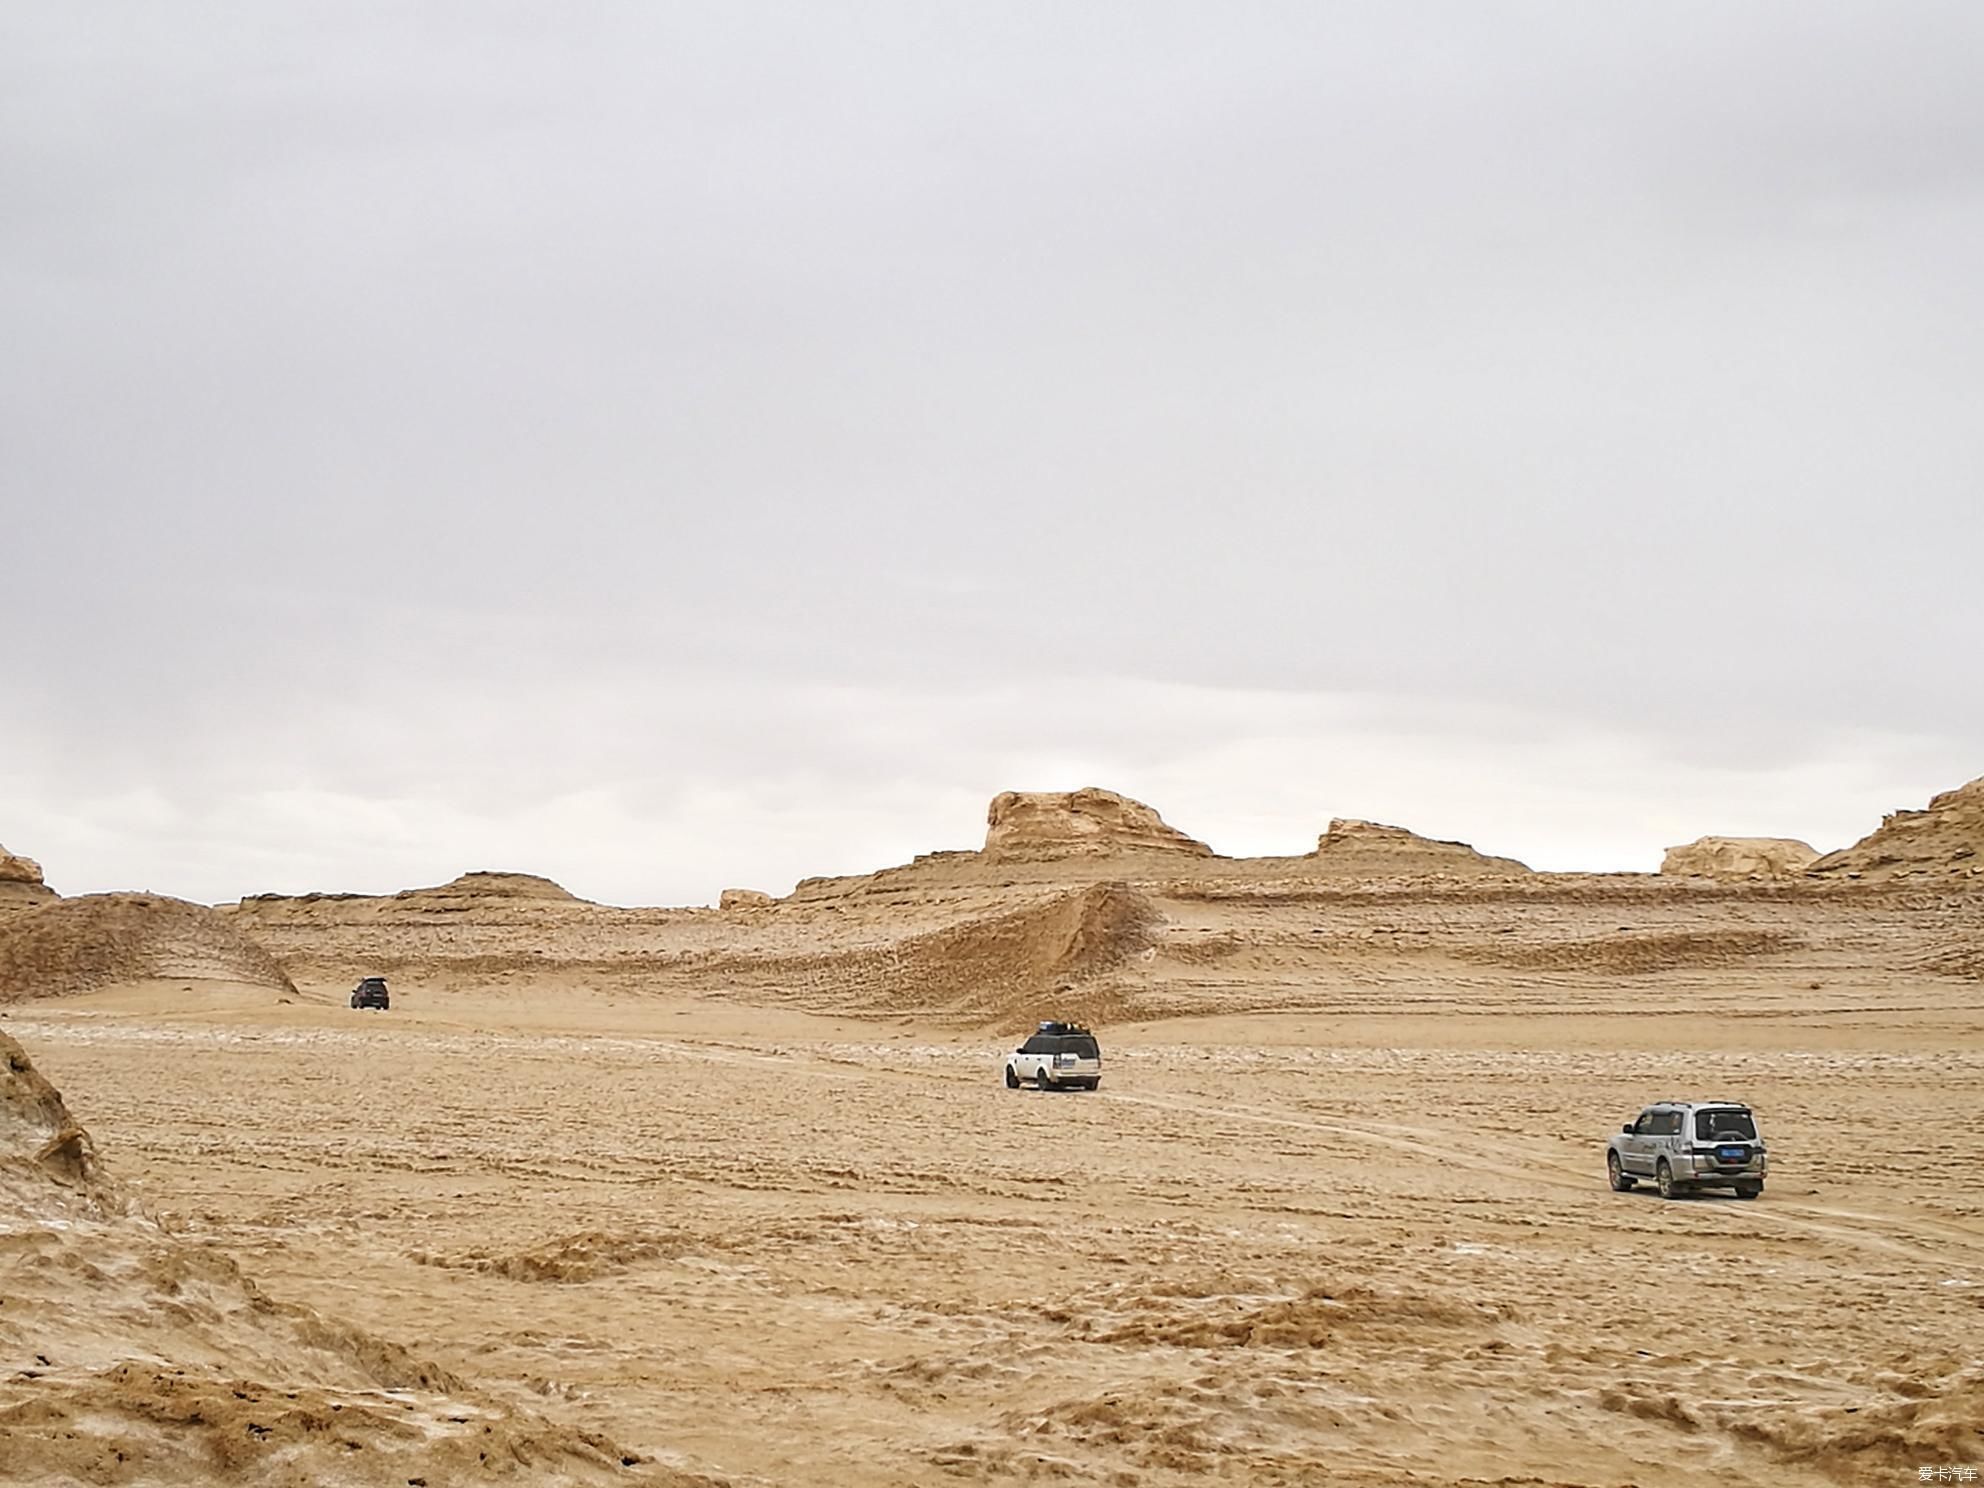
[(441, 426)]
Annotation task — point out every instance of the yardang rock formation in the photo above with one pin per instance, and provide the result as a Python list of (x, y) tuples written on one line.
[(1945, 840), (21, 885)]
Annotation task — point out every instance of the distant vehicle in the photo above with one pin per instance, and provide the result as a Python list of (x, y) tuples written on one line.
[(372, 993), (1683, 1145), (1059, 1056)]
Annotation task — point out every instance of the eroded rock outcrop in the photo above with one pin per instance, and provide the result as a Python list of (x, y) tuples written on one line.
[(1943, 841), (1739, 858), (99, 940), (1044, 825), (21, 885), (1365, 847), (745, 899)]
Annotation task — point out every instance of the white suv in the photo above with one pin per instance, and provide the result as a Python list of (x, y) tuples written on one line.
[(1682, 1145), (1059, 1056)]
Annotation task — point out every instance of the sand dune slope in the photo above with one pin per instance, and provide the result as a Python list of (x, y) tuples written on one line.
[(1051, 950)]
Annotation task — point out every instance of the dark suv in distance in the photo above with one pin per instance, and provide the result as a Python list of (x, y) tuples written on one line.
[(1059, 1056), (372, 993)]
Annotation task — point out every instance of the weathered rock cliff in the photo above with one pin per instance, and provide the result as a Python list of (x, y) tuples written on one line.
[(1946, 840)]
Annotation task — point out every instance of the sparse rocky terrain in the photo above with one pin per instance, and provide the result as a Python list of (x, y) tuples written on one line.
[(736, 1192)]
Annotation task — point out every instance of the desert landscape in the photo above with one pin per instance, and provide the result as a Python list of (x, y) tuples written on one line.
[(735, 1195)]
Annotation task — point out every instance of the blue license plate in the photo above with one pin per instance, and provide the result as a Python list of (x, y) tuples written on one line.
[(1732, 1154)]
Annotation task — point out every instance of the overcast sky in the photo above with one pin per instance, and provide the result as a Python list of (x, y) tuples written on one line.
[(672, 446)]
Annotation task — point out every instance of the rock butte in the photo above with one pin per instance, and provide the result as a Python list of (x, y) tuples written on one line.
[(21, 885), (1023, 825), (1739, 858)]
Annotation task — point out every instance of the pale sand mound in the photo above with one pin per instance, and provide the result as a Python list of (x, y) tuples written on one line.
[(129, 1357), (1368, 848), (1946, 840), (1739, 858), (1046, 958), (75, 945), (1033, 825), (21, 885)]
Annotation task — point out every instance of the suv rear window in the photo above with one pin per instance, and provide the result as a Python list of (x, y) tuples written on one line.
[(1082, 1045), (1709, 1125)]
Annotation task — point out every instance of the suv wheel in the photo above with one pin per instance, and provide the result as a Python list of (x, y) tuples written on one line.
[(1620, 1179), (1040, 1080), (1012, 1078), (1749, 1190), (1664, 1176)]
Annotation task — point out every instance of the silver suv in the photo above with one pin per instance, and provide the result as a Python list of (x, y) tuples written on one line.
[(1683, 1145)]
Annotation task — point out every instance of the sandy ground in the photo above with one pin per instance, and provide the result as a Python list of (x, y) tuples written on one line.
[(1307, 1247)]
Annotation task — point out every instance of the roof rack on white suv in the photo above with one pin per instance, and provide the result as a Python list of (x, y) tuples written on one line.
[(1061, 1055)]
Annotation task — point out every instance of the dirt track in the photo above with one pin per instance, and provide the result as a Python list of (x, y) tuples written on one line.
[(1300, 1248)]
